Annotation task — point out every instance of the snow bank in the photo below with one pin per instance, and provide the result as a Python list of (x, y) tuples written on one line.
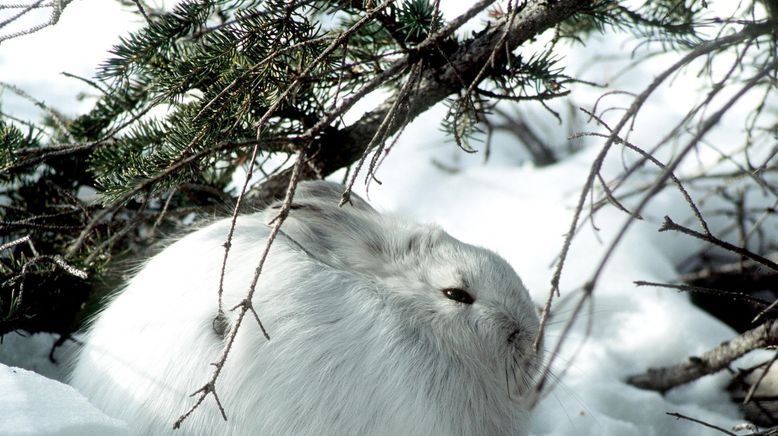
[(31, 404)]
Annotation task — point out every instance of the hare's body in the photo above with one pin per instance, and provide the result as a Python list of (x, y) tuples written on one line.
[(363, 341)]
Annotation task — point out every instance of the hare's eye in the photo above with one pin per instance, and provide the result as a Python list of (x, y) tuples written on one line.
[(458, 295)]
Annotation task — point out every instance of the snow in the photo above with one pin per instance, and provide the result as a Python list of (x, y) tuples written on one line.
[(515, 209), (35, 405), (79, 42), (32, 352)]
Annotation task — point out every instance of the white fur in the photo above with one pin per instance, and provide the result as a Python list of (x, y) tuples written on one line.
[(363, 341)]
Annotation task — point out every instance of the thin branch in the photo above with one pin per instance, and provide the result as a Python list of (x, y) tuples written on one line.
[(51, 112), (679, 416), (16, 242), (142, 11), (38, 258), (246, 304), (758, 381), (757, 303), (664, 379), (380, 134), (669, 224), (649, 157), (589, 286), (57, 6), (765, 311)]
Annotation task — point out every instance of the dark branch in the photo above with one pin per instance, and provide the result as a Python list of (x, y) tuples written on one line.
[(340, 148), (706, 424), (669, 224), (664, 379)]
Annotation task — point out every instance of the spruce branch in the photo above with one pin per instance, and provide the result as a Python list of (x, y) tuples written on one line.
[(343, 147), (261, 123)]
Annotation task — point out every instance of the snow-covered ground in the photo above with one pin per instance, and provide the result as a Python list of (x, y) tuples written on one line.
[(515, 209), (33, 405)]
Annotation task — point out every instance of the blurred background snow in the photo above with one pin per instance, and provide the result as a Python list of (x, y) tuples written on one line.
[(506, 204)]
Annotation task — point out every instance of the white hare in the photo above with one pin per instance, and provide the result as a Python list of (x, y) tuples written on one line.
[(378, 326)]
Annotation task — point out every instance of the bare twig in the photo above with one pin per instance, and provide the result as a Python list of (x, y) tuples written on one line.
[(758, 381), (246, 304), (706, 424), (772, 431), (541, 153), (730, 268), (57, 6), (162, 212), (649, 157), (664, 379), (51, 112), (38, 258), (757, 303), (142, 10), (16, 242), (380, 134), (589, 286), (765, 311), (669, 224)]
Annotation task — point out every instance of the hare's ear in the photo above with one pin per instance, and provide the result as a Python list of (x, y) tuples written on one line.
[(330, 233), (324, 193)]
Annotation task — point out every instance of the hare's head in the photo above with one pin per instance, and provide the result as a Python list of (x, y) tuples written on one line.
[(469, 303), (460, 303)]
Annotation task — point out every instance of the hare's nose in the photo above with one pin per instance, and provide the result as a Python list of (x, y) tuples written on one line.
[(513, 336)]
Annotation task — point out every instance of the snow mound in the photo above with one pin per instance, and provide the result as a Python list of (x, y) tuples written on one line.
[(31, 404)]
